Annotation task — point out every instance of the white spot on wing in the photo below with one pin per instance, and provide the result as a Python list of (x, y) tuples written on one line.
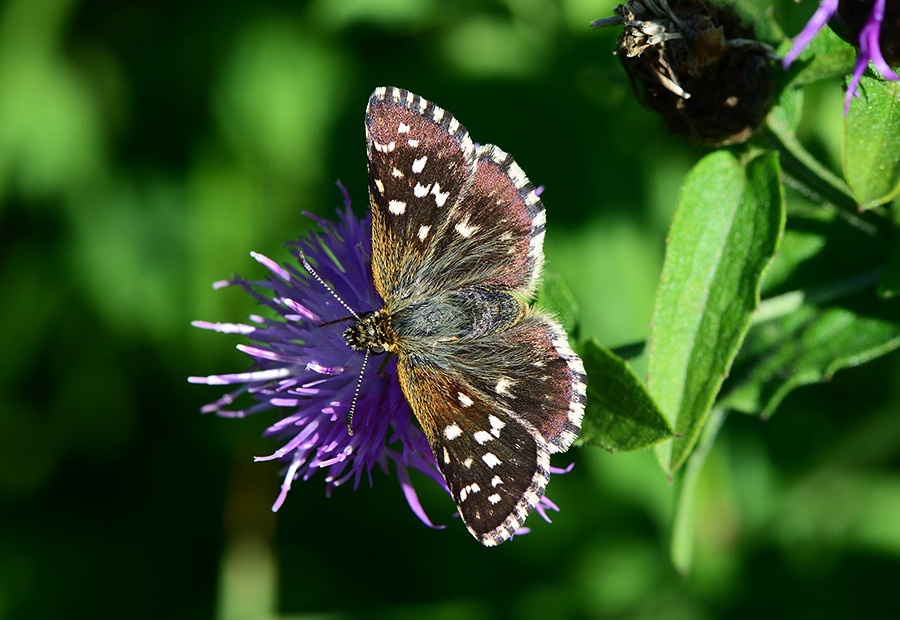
[(490, 459), (420, 190), (482, 437), (496, 425), (439, 197), (468, 463), (446, 457), (379, 185), (537, 243), (494, 498), (396, 172), (423, 232), (397, 207), (385, 148), (413, 143), (465, 230), (403, 128), (452, 432), (496, 480), (502, 386), (419, 164), (464, 400)]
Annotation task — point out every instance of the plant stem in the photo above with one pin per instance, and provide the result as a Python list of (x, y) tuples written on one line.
[(782, 305)]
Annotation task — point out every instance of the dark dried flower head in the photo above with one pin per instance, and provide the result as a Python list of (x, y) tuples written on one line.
[(697, 65)]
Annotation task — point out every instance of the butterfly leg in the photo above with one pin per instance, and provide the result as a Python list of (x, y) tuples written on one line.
[(383, 363)]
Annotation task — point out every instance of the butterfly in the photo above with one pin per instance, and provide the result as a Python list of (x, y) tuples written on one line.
[(457, 236)]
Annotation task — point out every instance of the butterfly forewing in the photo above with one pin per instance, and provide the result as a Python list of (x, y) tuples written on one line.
[(449, 215), (420, 159), (494, 234)]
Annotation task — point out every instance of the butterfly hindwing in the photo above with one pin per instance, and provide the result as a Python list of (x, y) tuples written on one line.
[(530, 369), (495, 464), (492, 425)]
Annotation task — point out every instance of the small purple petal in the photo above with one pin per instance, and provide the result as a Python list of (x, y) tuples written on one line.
[(325, 370), (286, 485), (272, 266), (225, 328), (299, 309), (562, 470), (264, 354), (862, 61), (413, 500), (869, 39), (242, 377), (826, 11), (345, 194)]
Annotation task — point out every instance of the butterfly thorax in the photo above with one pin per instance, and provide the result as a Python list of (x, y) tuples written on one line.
[(373, 331), (404, 326), (467, 313)]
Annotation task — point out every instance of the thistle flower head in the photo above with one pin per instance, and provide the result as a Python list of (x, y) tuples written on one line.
[(302, 367)]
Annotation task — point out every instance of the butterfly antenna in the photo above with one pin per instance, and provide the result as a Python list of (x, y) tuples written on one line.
[(313, 273), (356, 394)]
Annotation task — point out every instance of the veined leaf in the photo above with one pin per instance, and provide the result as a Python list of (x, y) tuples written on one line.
[(872, 143), (620, 414), (726, 229), (809, 346)]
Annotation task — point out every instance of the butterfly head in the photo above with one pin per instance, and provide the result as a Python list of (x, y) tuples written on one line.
[(373, 332)]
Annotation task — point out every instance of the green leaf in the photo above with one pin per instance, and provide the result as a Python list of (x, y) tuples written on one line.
[(889, 282), (788, 110), (821, 314), (827, 56), (872, 143), (818, 251), (620, 415), (725, 231), (808, 346), (684, 524), (556, 297)]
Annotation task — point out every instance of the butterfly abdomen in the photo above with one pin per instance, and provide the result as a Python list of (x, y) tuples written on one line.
[(468, 313)]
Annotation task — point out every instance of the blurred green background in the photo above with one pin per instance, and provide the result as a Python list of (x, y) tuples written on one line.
[(147, 146)]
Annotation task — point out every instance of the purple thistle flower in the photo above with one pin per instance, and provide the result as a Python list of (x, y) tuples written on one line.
[(302, 366), (870, 39)]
